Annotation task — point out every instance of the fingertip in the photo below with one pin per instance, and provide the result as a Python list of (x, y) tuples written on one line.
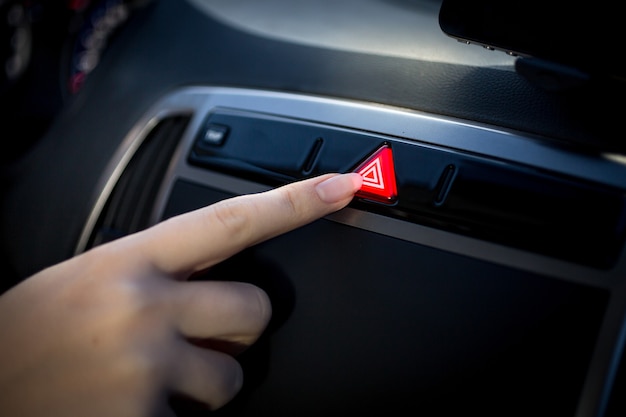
[(204, 379), (260, 308), (231, 385), (236, 382), (339, 187)]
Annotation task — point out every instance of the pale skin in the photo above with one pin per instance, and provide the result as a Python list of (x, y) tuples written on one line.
[(108, 332)]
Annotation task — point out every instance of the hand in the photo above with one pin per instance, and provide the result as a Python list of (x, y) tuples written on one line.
[(110, 332)]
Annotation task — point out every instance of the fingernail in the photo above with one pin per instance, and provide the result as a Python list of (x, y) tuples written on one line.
[(339, 187)]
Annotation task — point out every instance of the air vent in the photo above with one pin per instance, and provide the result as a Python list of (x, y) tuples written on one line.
[(129, 205)]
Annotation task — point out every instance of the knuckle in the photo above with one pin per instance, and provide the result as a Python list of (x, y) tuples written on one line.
[(232, 216), (290, 201), (140, 371)]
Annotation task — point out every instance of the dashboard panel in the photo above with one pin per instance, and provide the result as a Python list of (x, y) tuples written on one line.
[(492, 282), (512, 325)]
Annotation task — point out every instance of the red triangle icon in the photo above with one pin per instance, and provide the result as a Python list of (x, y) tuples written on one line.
[(379, 178)]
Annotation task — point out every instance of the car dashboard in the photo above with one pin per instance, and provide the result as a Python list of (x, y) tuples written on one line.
[(487, 277)]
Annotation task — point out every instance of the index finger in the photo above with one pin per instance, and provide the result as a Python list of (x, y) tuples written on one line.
[(199, 239)]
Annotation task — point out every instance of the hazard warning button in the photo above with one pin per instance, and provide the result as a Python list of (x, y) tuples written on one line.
[(379, 178)]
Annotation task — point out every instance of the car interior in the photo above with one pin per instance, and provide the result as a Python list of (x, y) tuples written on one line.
[(481, 268)]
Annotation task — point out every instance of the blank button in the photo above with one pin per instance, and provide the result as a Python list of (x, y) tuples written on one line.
[(215, 134)]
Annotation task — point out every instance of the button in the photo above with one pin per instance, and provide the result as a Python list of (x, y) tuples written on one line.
[(379, 178), (214, 135)]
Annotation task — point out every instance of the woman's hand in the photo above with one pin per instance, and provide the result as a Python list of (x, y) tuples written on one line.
[(109, 332)]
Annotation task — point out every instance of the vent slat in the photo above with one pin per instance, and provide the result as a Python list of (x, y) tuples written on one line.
[(129, 206)]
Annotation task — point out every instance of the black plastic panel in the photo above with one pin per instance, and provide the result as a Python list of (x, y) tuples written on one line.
[(365, 324), (500, 202), (275, 150)]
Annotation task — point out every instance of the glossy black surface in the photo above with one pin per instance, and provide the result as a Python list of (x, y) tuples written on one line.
[(576, 37), (474, 196)]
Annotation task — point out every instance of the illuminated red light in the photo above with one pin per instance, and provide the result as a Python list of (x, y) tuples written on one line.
[(78, 5), (379, 178)]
